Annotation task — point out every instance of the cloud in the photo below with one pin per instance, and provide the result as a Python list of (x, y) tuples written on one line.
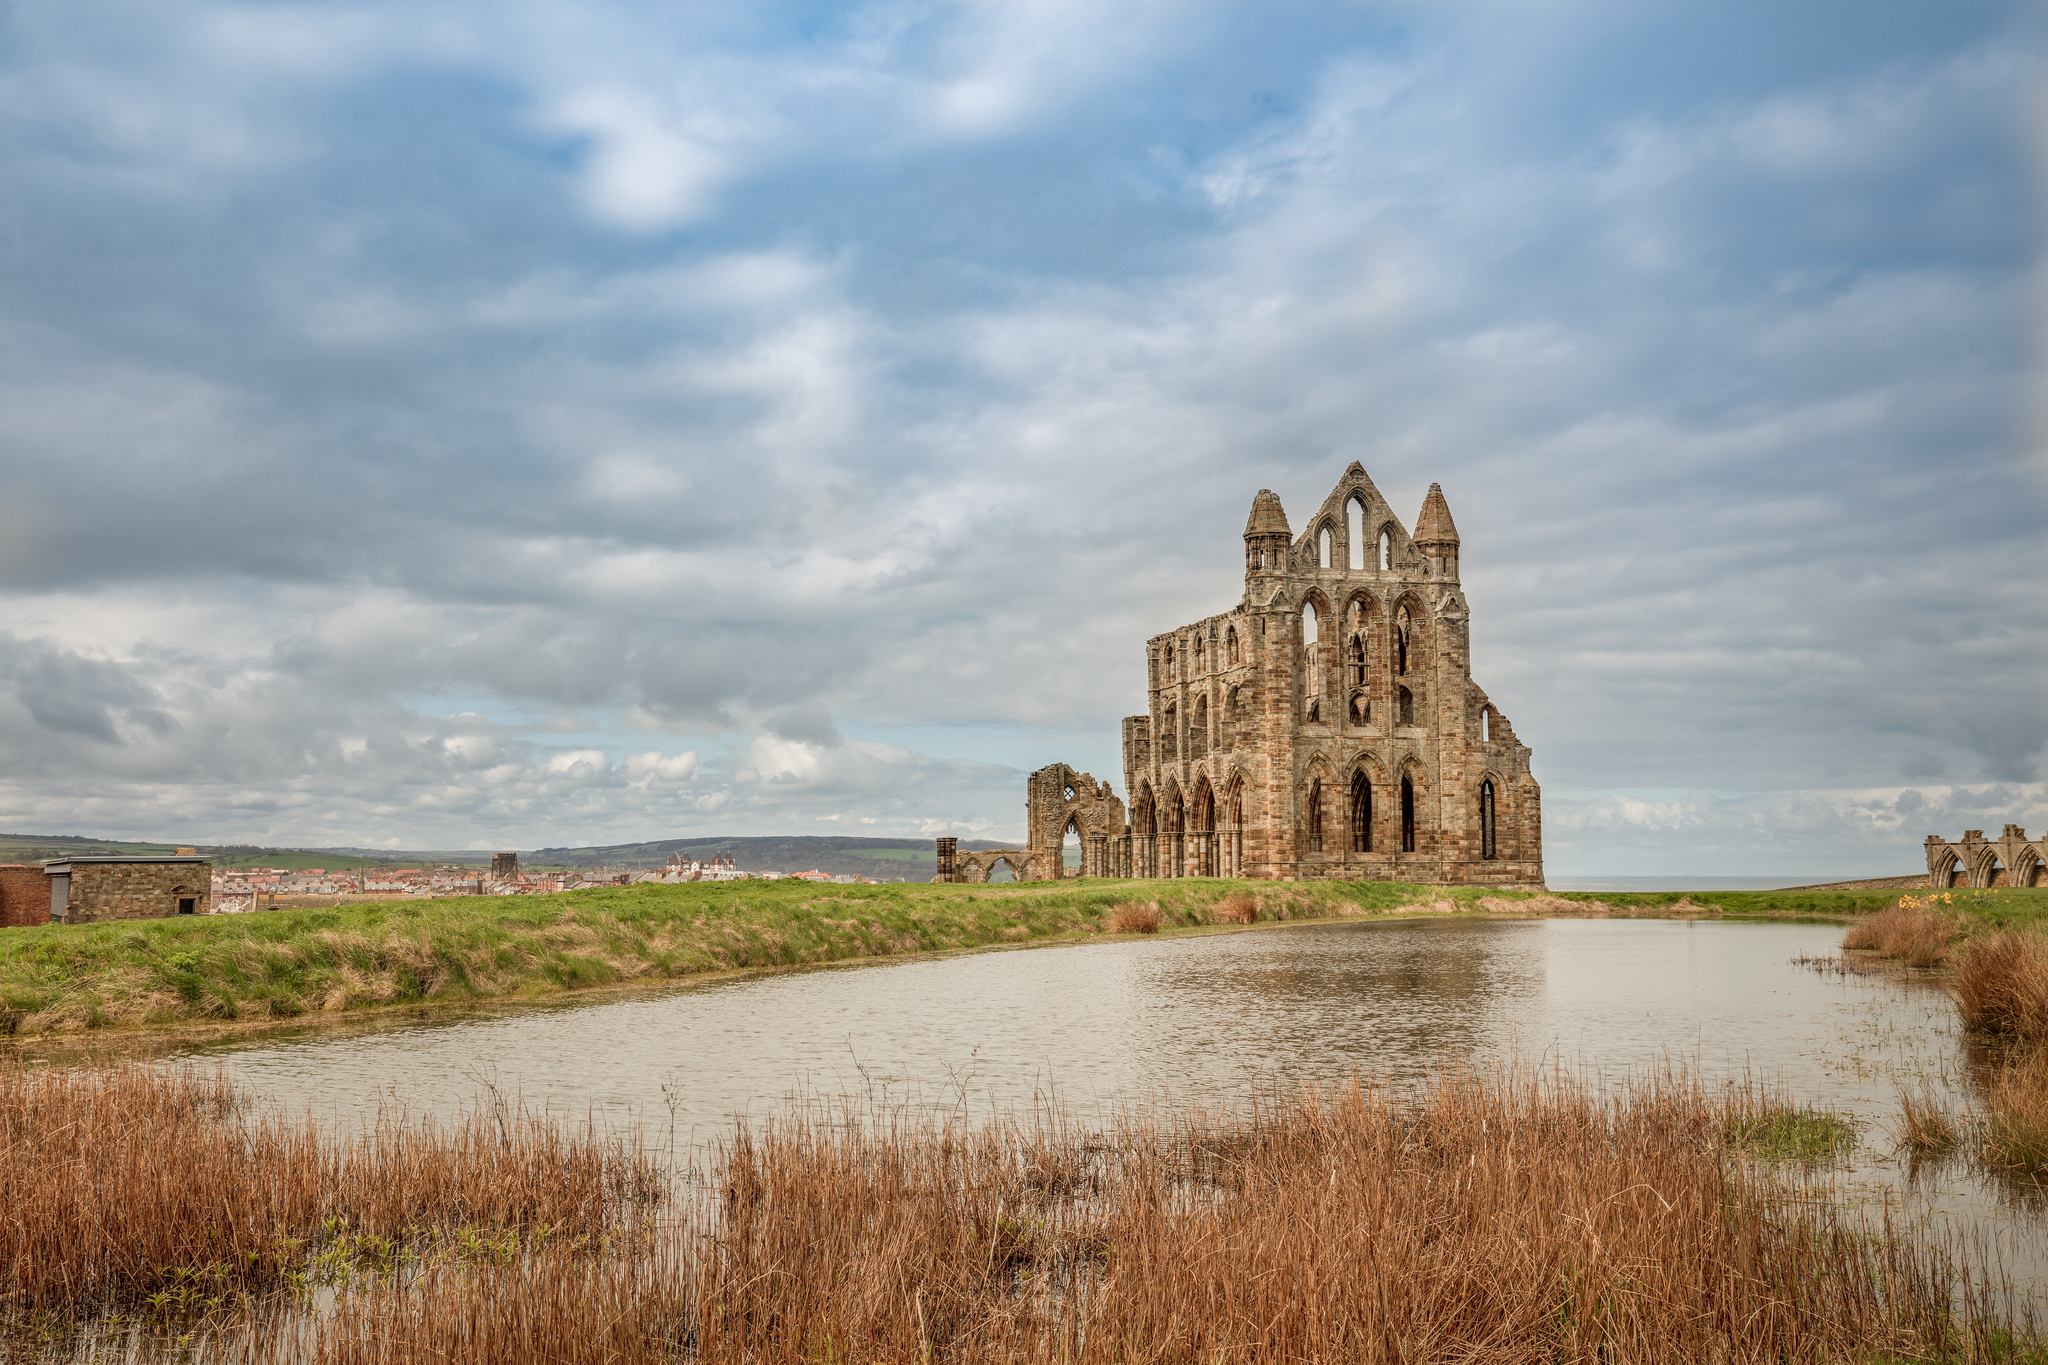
[(522, 425)]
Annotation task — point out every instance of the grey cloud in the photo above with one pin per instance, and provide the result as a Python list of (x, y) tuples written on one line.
[(1725, 383)]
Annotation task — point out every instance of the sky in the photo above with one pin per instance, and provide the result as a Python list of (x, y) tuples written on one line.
[(462, 425)]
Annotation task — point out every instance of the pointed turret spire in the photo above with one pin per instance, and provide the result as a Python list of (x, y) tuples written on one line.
[(1434, 526), (1268, 517), (1266, 535)]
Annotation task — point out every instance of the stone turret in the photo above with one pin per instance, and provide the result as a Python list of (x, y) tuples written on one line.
[(1437, 536), (1266, 537)]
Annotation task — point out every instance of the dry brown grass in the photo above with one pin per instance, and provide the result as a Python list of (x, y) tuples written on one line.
[(1913, 931), (1135, 917), (123, 1182), (1500, 1219), (1504, 1217), (1239, 909), (2001, 985), (1926, 1127)]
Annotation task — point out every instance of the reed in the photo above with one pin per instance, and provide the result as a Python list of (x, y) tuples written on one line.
[(1926, 1127), (1508, 1216), (2001, 985), (130, 1186), (1505, 1218), (1913, 931), (1135, 917)]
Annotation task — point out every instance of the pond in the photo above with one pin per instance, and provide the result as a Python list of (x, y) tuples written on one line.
[(1102, 1023)]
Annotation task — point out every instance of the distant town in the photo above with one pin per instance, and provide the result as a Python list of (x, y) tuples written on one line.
[(240, 889)]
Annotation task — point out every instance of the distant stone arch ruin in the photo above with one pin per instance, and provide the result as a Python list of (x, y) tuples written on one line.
[(2012, 859)]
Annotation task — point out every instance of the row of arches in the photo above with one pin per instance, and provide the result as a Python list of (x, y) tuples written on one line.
[(2028, 869), (1345, 541), (1199, 835)]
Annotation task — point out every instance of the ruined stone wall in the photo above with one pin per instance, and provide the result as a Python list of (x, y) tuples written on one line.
[(24, 895), (1056, 799), (1271, 749), (2012, 859), (111, 891)]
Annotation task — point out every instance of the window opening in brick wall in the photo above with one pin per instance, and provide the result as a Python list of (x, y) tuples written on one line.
[(1486, 819), (1315, 815), (1198, 732), (1323, 548), (1311, 629), (1231, 649), (1361, 814), (1361, 709), (1169, 739), (1358, 661), (1354, 532), (1070, 850), (1404, 700), (1407, 815), (1386, 551), (1485, 726)]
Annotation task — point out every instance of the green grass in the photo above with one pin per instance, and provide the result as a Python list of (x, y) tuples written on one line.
[(285, 964), (1779, 1132)]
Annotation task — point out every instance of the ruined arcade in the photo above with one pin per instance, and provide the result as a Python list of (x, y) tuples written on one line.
[(1326, 726)]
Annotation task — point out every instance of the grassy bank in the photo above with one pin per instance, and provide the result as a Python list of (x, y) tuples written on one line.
[(1505, 1216), (288, 965)]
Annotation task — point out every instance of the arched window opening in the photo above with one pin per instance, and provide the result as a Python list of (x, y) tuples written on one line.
[(1361, 814), (1358, 661), (1231, 650), (1404, 702), (2037, 873), (1407, 815), (1198, 732), (1486, 849), (1954, 875), (1323, 548), (1354, 532), (1361, 709), (1314, 714), (1401, 644), (1166, 662), (1315, 815), (1311, 629), (1201, 659), (1001, 871), (1169, 733), (1072, 854), (1486, 726), (1386, 551), (1995, 874)]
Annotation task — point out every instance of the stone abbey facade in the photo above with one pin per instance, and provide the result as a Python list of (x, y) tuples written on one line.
[(1325, 726)]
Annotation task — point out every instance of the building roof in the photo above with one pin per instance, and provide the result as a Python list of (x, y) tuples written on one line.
[(1268, 518), (1435, 522), (126, 858)]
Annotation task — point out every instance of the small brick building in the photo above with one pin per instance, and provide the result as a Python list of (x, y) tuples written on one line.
[(24, 895), (91, 889)]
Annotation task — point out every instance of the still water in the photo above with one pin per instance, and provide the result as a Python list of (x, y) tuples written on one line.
[(1101, 1024), (1200, 1015)]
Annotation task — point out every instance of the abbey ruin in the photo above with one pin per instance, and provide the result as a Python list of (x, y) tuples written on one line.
[(1325, 726)]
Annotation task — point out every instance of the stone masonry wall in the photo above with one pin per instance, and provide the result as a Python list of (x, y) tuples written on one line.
[(110, 891), (24, 895)]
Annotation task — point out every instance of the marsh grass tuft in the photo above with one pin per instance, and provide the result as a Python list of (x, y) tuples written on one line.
[(2001, 985), (1135, 917), (1239, 909), (1926, 1128), (1918, 930), (1773, 1130)]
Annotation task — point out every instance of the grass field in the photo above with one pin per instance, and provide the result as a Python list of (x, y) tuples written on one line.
[(284, 965)]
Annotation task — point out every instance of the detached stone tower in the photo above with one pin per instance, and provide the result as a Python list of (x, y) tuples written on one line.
[(1328, 725)]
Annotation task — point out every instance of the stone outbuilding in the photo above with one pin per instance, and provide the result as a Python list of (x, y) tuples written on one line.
[(92, 889), (2012, 859)]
